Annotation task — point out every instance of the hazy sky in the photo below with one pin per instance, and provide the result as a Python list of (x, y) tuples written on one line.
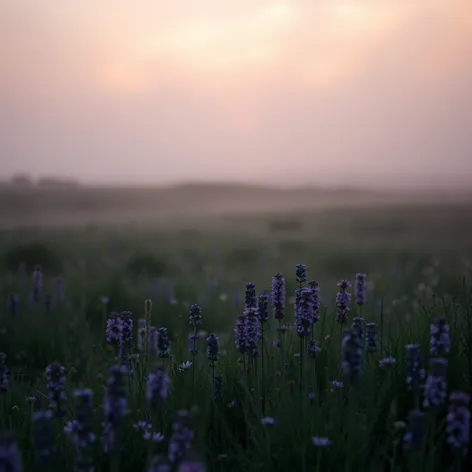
[(320, 91)]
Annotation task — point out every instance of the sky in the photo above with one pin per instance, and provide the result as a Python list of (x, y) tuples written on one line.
[(312, 92)]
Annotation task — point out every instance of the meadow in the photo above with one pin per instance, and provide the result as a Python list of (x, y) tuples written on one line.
[(180, 346)]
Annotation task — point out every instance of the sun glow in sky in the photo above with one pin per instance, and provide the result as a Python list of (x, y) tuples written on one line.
[(158, 91)]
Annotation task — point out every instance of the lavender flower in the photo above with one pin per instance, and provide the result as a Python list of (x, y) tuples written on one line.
[(415, 374), (439, 342), (358, 325), (114, 329), (337, 384), (195, 317), (263, 308), (126, 337), (268, 421), (343, 299), (37, 283), (240, 334), (371, 337), (435, 391), (304, 312), (163, 344), (321, 442), (387, 361), (351, 351), (115, 405), (181, 439), (43, 437), (278, 296), (250, 298), (315, 299), (313, 349), (213, 348), (413, 436), (253, 333), (10, 456), (361, 289), (56, 385), (157, 387), (300, 273), (458, 423), (81, 430)]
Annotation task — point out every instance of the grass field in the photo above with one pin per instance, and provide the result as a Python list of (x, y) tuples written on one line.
[(245, 413)]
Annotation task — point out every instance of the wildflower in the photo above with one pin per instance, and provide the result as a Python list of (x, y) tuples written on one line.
[(413, 436), (415, 374), (114, 329), (439, 342), (313, 349), (268, 421), (315, 299), (115, 405), (195, 316), (213, 348), (304, 312), (351, 351), (157, 387), (458, 423), (435, 389), (360, 289), (232, 404), (371, 337), (386, 361), (278, 296), (10, 457), (311, 396), (276, 343), (37, 283), (300, 273), (343, 299), (163, 344), (185, 366), (181, 439), (43, 437), (250, 298), (263, 308), (56, 385), (321, 442), (80, 429)]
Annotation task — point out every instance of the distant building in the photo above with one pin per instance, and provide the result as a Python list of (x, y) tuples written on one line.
[(21, 180)]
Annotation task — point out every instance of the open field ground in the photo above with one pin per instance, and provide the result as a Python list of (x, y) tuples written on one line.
[(418, 261)]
